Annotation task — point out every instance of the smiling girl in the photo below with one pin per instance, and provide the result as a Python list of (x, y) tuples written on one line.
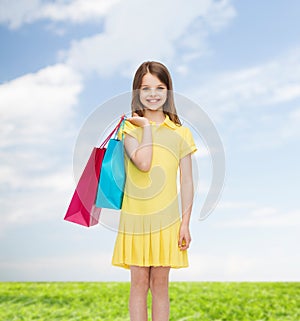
[(153, 237)]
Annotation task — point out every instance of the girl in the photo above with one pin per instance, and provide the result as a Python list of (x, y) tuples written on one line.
[(152, 237)]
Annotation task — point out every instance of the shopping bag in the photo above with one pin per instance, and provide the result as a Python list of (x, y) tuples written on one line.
[(82, 209), (112, 177)]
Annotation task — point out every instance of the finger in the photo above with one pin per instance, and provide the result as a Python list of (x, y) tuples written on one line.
[(131, 119), (180, 241), (184, 244)]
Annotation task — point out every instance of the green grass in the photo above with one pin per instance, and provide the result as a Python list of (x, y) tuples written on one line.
[(205, 301)]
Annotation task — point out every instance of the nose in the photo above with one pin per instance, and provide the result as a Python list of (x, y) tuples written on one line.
[(153, 92)]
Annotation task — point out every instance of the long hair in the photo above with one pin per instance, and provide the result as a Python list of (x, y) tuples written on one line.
[(161, 72)]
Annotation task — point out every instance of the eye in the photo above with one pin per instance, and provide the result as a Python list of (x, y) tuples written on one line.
[(161, 88), (145, 89)]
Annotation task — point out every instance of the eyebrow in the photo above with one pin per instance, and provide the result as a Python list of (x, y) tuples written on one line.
[(156, 85)]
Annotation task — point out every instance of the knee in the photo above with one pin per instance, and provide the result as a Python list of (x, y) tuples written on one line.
[(158, 284), (141, 284)]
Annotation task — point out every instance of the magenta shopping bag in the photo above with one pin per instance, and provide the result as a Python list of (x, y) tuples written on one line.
[(82, 209)]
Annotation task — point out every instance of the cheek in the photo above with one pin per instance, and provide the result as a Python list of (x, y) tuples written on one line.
[(142, 96), (164, 97)]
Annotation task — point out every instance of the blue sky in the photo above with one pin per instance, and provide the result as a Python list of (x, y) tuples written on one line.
[(238, 60)]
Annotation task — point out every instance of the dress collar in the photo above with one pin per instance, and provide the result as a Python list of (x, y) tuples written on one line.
[(167, 122)]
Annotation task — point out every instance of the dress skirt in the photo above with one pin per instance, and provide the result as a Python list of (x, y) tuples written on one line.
[(146, 244)]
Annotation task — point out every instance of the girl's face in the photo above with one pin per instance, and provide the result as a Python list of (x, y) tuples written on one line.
[(153, 93)]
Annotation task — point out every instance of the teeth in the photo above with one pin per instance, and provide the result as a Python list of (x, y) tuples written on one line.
[(153, 100)]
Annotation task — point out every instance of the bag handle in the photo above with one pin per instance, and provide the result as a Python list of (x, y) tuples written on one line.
[(121, 127), (113, 131)]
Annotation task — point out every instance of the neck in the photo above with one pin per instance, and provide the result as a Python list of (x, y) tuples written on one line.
[(156, 116)]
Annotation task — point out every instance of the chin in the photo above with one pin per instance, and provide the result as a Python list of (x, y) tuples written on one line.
[(154, 108)]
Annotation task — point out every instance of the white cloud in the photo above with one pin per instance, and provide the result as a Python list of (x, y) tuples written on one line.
[(277, 81), (30, 196), (268, 128), (81, 266), (36, 126), (88, 266), (15, 14), (258, 104), (238, 267), (250, 215), (34, 105), (229, 205), (291, 126), (131, 36), (75, 11)]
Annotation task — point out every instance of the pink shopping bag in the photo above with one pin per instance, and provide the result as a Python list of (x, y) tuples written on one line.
[(82, 209)]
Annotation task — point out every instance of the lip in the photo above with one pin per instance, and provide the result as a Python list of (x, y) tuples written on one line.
[(153, 101)]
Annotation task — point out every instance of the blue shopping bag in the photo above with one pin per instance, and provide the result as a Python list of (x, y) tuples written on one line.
[(112, 177)]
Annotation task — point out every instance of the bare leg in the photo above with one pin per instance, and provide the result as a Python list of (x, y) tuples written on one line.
[(159, 285), (138, 293)]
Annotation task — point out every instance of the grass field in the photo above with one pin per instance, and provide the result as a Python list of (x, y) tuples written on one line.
[(205, 301)]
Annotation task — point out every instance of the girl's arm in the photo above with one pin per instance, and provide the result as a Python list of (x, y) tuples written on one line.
[(187, 195), (140, 153)]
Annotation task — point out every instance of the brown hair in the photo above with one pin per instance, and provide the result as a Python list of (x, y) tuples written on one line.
[(161, 72)]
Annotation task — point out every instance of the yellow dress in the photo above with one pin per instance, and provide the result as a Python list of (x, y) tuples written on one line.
[(150, 217)]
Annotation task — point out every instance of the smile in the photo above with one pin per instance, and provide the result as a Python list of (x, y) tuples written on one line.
[(153, 101)]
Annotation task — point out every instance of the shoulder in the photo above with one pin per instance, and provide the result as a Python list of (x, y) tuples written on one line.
[(182, 130), (187, 141)]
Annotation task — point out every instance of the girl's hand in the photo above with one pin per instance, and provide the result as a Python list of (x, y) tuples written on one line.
[(138, 121), (184, 237)]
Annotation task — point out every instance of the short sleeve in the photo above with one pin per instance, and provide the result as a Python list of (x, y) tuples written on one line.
[(129, 129), (187, 145)]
